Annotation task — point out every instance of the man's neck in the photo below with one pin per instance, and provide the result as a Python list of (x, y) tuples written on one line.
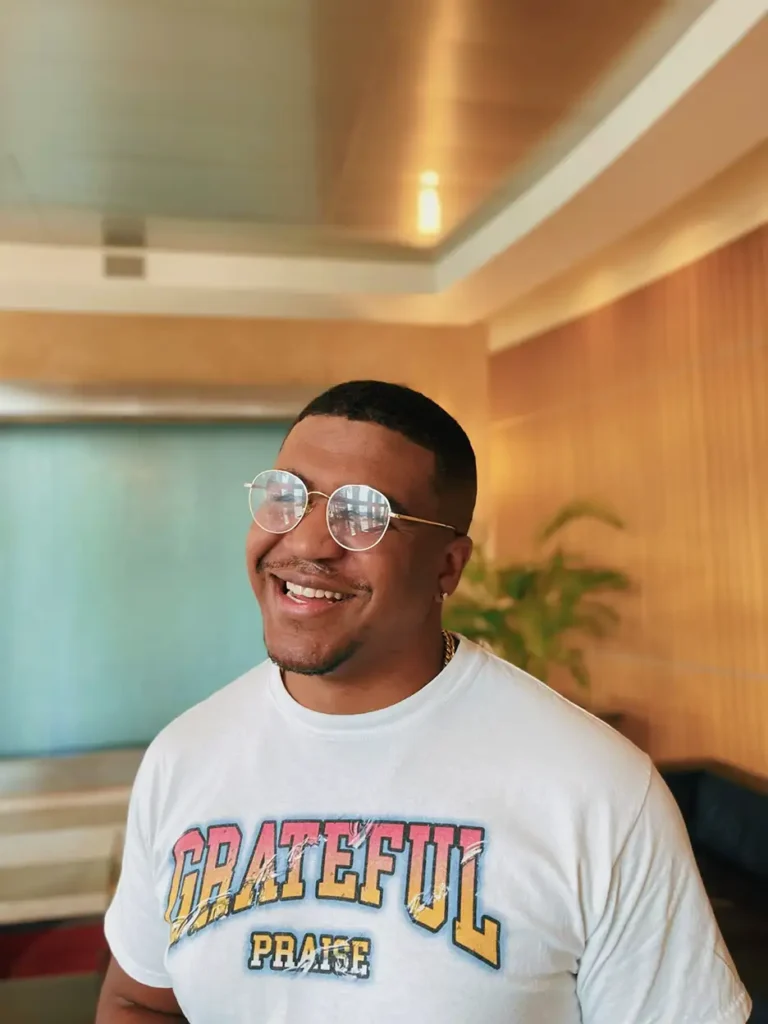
[(360, 688)]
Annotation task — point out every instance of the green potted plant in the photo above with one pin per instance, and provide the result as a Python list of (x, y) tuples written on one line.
[(535, 613)]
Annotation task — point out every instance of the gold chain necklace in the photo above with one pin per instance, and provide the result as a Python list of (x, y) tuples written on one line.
[(449, 646)]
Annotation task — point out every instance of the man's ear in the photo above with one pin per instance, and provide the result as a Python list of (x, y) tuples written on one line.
[(457, 554)]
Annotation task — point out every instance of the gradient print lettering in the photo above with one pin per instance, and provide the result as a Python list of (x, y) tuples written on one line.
[(432, 869)]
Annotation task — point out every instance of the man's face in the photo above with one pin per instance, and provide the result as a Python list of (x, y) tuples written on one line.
[(390, 591)]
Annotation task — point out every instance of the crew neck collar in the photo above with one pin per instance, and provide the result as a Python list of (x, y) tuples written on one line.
[(436, 692)]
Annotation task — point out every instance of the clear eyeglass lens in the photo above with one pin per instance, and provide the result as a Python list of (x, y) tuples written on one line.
[(358, 516), (278, 500)]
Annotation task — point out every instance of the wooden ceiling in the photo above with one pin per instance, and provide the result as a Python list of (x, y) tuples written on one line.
[(465, 88), (306, 115)]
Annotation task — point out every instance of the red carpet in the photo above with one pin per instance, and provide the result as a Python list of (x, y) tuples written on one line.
[(32, 951)]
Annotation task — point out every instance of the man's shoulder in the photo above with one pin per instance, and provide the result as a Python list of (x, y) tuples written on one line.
[(558, 740), (216, 718)]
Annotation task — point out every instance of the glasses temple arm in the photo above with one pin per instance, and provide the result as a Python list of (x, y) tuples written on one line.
[(426, 522)]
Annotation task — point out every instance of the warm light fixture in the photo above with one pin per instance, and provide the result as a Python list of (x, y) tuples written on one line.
[(430, 214)]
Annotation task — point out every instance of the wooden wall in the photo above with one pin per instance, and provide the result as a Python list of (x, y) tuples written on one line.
[(447, 363), (658, 405)]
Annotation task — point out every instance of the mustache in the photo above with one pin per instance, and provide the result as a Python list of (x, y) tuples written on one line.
[(309, 568)]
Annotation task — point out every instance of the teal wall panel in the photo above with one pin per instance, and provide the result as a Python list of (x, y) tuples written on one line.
[(124, 598)]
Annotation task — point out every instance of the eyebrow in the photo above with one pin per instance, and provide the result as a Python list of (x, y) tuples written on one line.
[(397, 506)]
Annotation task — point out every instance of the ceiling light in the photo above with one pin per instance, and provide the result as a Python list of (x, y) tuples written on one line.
[(430, 213)]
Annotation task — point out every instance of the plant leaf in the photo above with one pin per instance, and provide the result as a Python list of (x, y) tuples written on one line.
[(599, 578), (516, 580), (574, 510), (531, 613), (574, 662), (594, 619)]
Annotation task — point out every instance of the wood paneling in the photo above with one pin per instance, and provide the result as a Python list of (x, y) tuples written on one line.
[(658, 405), (447, 363)]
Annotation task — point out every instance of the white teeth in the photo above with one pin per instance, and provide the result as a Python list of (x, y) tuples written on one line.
[(294, 588)]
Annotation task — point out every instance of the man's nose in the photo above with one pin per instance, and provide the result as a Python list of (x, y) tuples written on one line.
[(311, 539)]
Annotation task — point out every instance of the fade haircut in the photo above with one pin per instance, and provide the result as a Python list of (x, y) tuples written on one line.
[(423, 422)]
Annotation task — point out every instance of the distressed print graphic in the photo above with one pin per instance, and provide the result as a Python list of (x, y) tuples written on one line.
[(432, 870)]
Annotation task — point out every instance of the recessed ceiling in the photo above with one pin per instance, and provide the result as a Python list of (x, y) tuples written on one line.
[(317, 120), (264, 157)]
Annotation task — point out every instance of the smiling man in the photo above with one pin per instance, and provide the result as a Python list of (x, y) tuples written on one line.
[(384, 822)]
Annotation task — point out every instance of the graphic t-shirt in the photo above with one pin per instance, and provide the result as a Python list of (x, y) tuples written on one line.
[(483, 850)]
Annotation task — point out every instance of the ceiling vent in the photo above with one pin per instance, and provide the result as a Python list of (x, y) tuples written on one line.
[(123, 241)]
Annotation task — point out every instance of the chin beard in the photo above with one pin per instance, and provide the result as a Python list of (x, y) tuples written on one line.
[(314, 665)]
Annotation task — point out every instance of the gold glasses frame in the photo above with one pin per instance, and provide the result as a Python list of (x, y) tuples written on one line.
[(250, 487)]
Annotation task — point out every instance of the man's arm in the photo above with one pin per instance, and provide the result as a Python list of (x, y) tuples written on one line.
[(657, 954), (125, 1001), (137, 986)]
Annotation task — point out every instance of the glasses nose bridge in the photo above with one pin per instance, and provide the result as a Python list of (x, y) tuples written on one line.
[(310, 504), (314, 541)]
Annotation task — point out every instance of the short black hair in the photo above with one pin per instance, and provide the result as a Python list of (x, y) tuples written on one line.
[(422, 421)]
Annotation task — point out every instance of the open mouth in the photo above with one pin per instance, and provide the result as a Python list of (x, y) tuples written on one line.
[(294, 590), (299, 594)]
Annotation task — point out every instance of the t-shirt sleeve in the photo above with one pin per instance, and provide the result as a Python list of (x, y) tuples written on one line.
[(656, 955), (134, 925)]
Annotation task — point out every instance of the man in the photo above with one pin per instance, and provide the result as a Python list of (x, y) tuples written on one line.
[(387, 823)]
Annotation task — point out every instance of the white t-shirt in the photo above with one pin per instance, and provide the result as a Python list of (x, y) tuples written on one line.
[(483, 850)]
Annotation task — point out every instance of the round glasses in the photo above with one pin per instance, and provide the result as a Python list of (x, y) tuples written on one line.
[(357, 515)]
